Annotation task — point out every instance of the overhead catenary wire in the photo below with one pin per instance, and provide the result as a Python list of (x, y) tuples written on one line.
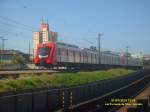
[(7, 32), (84, 42), (13, 26), (16, 22), (92, 43)]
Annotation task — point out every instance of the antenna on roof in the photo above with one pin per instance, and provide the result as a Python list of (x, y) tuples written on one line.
[(42, 20), (47, 21)]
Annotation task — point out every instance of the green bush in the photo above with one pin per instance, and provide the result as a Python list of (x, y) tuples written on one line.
[(18, 59), (58, 79)]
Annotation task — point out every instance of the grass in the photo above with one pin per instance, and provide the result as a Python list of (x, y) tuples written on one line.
[(58, 79)]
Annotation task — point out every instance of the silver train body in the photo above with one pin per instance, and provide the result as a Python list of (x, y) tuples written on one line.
[(67, 53)]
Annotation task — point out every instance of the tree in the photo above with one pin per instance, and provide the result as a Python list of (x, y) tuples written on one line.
[(18, 59), (146, 63)]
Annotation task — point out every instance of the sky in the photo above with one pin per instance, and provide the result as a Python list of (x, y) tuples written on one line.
[(121, 22)]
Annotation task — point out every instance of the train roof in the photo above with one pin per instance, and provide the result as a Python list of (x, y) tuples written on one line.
[(66, 45), (92, 49)]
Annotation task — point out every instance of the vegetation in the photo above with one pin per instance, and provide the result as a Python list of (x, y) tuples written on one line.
[(146, 63), (18, 59), (58, 79)]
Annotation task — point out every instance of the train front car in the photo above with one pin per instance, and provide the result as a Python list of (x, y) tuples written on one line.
[(45, 55)]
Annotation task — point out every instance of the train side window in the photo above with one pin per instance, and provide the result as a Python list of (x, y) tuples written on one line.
[(95, 58), (74, 56), (73, 53), (67, 52), (91, 57), (107, 59), (59, 51), (80, 56), (86, 57), (104, 58)]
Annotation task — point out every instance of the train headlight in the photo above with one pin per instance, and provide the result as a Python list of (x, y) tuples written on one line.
[(41, 56)]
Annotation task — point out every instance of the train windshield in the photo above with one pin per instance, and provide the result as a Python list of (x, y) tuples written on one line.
[(43, 52)]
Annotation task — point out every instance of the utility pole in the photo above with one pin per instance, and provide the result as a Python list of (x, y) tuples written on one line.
[(3, 46), (99, 48), (127, 47), (142, 63), (29, 50), (1, 50)]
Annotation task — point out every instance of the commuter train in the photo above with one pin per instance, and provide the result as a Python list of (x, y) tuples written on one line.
[(67, 55)]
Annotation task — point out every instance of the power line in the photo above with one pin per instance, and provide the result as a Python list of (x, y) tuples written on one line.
[(89, 41), (16, 22), (10, 23), (14, 26), (7, 32)]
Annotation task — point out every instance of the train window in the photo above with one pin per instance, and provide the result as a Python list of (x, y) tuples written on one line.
[(43, 51), (106, 59), (73, 53), (95, 57), (109, 59), (67, 52), (59, 51), (91, 57), (74, 56), (80, 54)]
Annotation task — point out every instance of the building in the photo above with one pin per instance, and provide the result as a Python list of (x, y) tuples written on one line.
[(8, 55), (36, 39), (146, 57), (44, 35), (138, 55)]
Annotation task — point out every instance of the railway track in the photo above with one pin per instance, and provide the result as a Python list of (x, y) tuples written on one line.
[(6, 72), (104, 102), (16, 73)]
